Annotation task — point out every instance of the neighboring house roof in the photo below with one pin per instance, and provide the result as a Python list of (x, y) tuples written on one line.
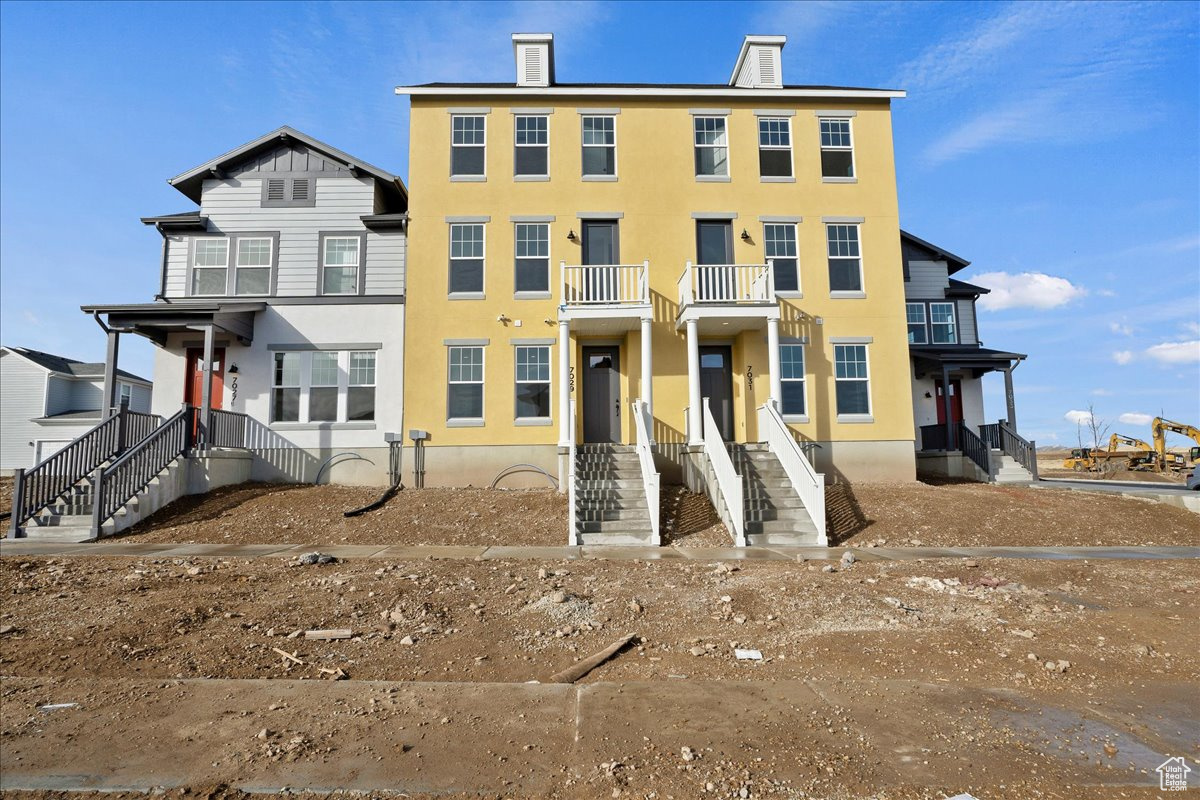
[(964, 289), (191, 182), (953, 262), (62, 365), (791, 90), (178, 223)]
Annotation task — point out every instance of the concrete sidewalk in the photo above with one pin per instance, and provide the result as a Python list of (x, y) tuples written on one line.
[(22, 547)]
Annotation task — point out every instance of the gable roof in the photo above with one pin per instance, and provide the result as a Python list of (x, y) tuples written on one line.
[(191, 182), (953, 262), (61, 365)]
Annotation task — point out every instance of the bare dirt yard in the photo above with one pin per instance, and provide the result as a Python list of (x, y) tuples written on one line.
[(950, 514), (1013, 679)]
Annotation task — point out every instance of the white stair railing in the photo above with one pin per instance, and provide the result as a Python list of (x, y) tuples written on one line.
[(644, 423), (573, 537), (808, 483), (729, 493)]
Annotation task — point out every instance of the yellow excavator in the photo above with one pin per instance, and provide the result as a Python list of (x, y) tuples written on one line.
[(1095, 459), (1174, 461)]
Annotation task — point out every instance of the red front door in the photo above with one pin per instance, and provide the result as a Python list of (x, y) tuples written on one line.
[(193, 385), (955, 401)]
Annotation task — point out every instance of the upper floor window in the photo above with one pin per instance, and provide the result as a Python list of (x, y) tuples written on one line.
[(779, 241), (339, 265), (252, 274), (941, 323), (466, 258), (845, 259), (532, 268), (852, 379), (467, 145), (599, 146), (210, 266), (837, 150), (531, 155), (775, 147), (711, 146), (915, 312), (791, 379)]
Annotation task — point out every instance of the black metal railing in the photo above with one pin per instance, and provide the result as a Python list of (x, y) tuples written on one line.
[(975, 448), (39, 487), (121, 480), (933, 437), (1024, 452), (226, 428), (990, 435)]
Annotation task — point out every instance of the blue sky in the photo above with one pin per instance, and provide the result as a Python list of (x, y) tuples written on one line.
[(1053, 145)]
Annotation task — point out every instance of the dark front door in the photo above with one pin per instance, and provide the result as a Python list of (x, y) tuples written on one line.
[(601, 394), (716, 383), (600, 247), (714, 245)]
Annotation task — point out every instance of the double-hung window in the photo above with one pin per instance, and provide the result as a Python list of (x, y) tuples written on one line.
[(466, 258), (285, 388), (599, 146), (531, 156), (360, 390), (780, 244), (791, 374), (533, 382), (915, 312), (837, 150), (775, 147), (340, 259), (468, 144), (532, 269), (465, 394), (253, 271), (210, 266), (852, 379), (711, 146), (126, 394), (323, 387), (845, 258), (941, 323)]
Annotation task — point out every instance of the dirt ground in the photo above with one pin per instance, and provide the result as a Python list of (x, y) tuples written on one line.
[(949, 514), (6, 487)]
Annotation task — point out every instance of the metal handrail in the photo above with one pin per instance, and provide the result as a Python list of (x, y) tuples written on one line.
[(808, 483), (604, 284), (975, 448), (727, 283), (990, 434), (573, 537), (226, 428), (729, 492), (1025, 452), (129, 474), (643, 423)]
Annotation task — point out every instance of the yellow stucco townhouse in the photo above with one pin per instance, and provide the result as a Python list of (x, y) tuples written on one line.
[(629, 284)]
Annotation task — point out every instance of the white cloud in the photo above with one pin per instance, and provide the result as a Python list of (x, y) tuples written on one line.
[(1192, 328), (1175, 352), (1134, 418), (1120, 328), (1106, 293), (1103, 392), (1077, 417), (1026, 290), (1122, 357)]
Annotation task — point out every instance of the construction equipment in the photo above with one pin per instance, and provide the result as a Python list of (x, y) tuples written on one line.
[(1080, 460), (1096, 459), (1174, 461)]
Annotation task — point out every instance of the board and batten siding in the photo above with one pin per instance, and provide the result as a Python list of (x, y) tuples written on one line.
[(234, 206), (22, 399)]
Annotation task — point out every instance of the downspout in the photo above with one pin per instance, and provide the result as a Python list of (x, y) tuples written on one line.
[(162, 270)]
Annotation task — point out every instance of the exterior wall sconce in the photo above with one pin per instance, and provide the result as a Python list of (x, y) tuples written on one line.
[(571, 237), (745, 236), (927, 394), (233, 369)]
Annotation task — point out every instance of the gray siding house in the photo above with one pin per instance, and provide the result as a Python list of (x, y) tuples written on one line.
[(48, 400)]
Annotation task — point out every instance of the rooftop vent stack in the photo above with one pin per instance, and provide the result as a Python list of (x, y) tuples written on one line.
[(760, 63), (534, 53)]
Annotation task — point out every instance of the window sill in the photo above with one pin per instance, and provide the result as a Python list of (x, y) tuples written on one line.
[(601, 178), (531, 178), (464, 423), (713, 179), (796, 419), (847, 295), (322, 426), (834, 179), (468, 178), (855, 419), (777, 179), (531, 295), (531, 422), (466, 296), (788, 295)]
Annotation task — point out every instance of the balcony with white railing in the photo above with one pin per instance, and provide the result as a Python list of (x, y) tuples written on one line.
[(604, 296), (728, 292)]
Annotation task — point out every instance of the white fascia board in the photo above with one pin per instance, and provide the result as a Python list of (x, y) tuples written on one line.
[(601, 91)]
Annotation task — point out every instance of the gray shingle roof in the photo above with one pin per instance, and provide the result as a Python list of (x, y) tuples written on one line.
[(70, 366)]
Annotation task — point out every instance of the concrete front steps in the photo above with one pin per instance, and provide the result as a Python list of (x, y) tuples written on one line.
[(610, 498), (1006, 469), (773, 511)]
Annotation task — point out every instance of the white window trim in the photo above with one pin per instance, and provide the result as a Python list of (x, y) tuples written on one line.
[(845, 294), (467, 422), (533, 295), (304, 419), (479, 295), (924, 320), (237, 266), (195, 252), (798, 292), (855, 418), (724, 177), (358, 260), (953, 320), (469, 113), (608, 113), (786, 119), (531, 177), (849, 120), (796, 418), (533, 421), (124, 391)]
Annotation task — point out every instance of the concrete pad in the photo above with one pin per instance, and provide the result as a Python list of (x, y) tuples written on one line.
[(223, 550), (731, 554), (631, 553), (401, 552), (15, 547), (914, 553), (335, 550), (538, 553)]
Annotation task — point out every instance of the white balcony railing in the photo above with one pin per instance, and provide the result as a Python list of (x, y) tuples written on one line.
[(728, 284), (605, 285)]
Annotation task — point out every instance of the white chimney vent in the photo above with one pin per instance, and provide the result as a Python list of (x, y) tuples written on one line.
[(534, 53), (760, 63)]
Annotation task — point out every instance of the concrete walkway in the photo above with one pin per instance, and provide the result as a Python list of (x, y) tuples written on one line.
[(22, 547), (1172, 494)]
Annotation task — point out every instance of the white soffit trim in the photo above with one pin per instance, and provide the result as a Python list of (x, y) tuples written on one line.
[(642, 91)]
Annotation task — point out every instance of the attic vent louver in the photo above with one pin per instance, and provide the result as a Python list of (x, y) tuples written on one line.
[(275, 189), (759, 64), (534, 54), (300, 189)]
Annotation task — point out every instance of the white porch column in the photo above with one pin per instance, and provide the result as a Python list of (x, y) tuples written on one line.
[(773, 363), (695, 435), (647, 367), (564, 383)]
